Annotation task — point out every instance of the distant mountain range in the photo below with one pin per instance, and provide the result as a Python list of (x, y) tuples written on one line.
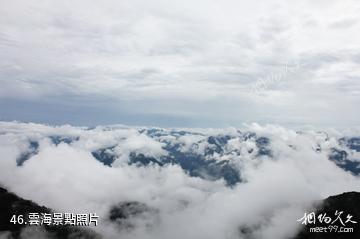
[(208, 156)]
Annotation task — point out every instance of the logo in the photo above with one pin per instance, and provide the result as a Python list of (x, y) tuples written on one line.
[(338, 222)]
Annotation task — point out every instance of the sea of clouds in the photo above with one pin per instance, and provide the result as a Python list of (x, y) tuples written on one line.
[(273, 192)]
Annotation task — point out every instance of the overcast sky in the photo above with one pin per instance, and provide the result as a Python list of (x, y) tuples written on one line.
[(180, 63)]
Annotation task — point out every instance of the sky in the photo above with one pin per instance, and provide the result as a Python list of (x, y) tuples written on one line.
[(201, 63)]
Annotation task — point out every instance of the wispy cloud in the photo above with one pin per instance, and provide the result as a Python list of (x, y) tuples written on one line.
[(152, 55)]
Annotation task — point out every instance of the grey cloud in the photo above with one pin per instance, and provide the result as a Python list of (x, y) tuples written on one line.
[(345, 23), (164, 52)]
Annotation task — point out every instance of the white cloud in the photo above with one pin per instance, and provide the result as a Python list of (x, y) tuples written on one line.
[(274, 194), (161, 53)]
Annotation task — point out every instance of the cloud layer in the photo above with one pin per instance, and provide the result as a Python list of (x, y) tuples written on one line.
[(274, 192), (180, 62)]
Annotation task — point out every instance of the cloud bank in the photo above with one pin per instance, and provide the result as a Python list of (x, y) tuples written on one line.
[(275, 189), (180, 63)]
